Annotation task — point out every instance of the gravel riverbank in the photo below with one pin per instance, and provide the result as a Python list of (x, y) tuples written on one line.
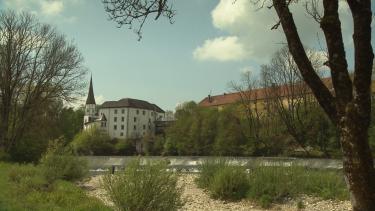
[(197, 199)]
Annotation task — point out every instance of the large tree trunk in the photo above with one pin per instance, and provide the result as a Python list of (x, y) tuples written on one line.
[(357, 161), (349, 107)]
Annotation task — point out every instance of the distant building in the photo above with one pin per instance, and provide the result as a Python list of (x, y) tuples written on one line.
[(259, 97), (124, 119)]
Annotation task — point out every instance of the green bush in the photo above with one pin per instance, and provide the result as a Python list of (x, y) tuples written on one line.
[(146, 187), (23, 187), (27, 177), (60, 163), (93, 142), (271, 184), (208, 170), (4, 156), (125, 147), (230, 183)]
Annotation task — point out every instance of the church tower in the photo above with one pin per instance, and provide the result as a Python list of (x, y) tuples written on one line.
[(90, 107)]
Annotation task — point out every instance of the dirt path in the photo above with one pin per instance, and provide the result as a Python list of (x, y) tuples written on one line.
[(198, 200)]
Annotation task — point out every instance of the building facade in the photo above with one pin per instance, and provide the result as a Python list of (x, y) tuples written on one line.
[(123, 119)]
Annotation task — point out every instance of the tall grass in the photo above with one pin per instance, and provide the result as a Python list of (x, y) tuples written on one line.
[(24, 187), (270, 184), (222, 180), (266, 185), (230, 183), (208, 169), (146, 187)]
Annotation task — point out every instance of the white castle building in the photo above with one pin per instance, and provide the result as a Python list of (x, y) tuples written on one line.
[(124, 119)]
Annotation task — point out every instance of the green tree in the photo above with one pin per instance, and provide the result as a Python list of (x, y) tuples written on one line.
[(93, 142), (230, 139), (70, 122), (38, 67)]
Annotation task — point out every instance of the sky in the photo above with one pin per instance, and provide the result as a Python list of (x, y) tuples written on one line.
[(210, 43)]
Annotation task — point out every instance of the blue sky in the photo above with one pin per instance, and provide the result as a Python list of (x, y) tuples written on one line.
[(209, 45)]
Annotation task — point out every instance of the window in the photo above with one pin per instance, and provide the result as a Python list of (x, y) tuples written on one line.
[(135, 127), (122, 111), (115, 111), (122, 127), (115, 127), (144, 112), (88, 110), (144, 127), (135, 119), (137, 111), (115, 119), (121, 134), (149, 127), (122, 119)]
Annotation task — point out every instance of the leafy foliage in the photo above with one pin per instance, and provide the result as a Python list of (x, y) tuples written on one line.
[(229, 183), (24, 187), (208, 169), (93, 142), (144, 187), (272, 184), (60, 163)]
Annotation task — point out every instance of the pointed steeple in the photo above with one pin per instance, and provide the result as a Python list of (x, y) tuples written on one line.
[(90, 97)]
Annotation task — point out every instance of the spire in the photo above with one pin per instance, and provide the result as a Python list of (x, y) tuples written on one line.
[(90, 96)]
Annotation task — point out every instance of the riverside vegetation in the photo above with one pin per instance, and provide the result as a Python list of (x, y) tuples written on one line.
[(150, 187), (48, 185), (146, 187), (266, 185)]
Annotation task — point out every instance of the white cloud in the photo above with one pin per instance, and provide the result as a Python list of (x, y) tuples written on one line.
[(44, 8), (221, 49), (252, 28), (52, 7), (99, 99)]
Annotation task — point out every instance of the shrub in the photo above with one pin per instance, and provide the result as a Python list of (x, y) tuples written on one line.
[(208, 170), (230, 183), (23, 187), (4, 156), (28, 149), (144, 188), (93, 142), (270, 184), (125, 147), (60, 163), (27, 177)]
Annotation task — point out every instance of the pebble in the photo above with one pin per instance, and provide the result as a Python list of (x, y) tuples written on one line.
[(197, 199)]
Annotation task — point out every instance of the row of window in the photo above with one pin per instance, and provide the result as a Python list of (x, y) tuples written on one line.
[(122, 134), (134, 127), (137, 111), (123, 119)]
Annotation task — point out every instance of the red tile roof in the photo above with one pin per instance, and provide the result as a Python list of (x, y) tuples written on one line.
[(255, 94)]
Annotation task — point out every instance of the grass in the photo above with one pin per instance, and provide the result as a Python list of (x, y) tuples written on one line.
[(208, 169), (23, 187), (230, 183), (266, 185), (146, 187), (272, 184)]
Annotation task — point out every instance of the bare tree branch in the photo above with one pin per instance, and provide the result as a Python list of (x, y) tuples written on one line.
[(136, 12)]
